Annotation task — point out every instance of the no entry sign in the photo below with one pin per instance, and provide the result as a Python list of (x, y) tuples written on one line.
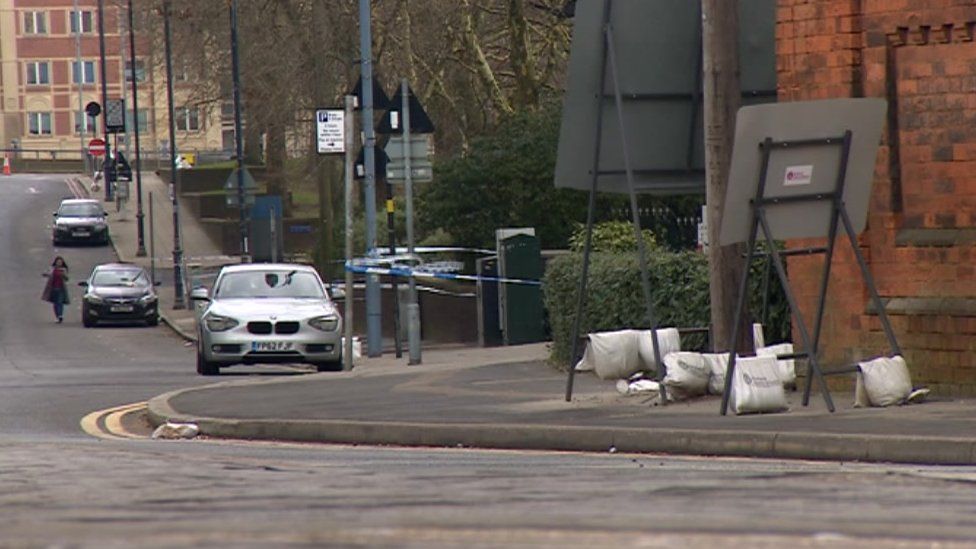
[(96, 147)]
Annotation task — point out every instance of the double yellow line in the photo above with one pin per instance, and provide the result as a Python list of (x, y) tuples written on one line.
[(107, 423)]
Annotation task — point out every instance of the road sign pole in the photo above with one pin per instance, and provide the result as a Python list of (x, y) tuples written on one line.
[(374, 328), (81, 71), (413, 307), (348, 301)]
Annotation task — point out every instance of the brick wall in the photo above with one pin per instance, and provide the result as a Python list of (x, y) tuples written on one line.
[(920, 55)]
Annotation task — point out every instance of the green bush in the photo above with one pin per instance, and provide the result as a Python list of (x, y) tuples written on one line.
[(611, 236), (679, 294)]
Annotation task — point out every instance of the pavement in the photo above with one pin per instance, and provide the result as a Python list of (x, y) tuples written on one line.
[(510, 397)]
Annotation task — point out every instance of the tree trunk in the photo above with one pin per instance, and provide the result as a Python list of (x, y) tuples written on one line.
[(720, 23)]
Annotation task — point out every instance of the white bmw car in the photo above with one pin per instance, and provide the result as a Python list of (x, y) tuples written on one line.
[(267, 313)]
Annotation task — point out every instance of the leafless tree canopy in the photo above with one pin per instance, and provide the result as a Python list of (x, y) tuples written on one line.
[(468, 61)]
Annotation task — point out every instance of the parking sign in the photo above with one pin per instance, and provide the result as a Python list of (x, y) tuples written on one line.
[(330, 131)]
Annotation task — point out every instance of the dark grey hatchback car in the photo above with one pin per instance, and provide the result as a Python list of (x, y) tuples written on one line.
[(119, 292)]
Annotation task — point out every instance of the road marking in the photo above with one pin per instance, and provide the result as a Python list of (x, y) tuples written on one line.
[(32, 190), (107, 424)]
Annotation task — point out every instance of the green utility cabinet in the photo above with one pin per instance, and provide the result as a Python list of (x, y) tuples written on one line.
[(521, 310)]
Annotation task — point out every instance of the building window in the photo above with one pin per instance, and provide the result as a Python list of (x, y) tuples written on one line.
[(83, 20), (35, 22), (39, 123), (143, 120), (85, 122), (140, 71), (87, 72), (188, 119), (38, 73)]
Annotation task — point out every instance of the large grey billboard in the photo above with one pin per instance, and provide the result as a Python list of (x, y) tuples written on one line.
[(658, 55)]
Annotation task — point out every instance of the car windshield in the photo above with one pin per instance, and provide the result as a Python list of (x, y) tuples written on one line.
[(80, 210), (120, 278), (269, 284)]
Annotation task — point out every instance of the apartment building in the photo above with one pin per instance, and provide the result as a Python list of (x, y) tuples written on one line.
[(50, 69)]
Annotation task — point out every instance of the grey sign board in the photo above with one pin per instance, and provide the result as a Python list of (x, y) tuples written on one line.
[(115, 115), (802, 170), (658, 46), (419, 148)]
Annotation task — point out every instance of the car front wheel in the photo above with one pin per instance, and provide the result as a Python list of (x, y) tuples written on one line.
[(205, 367), (329, 366), (86, 317)]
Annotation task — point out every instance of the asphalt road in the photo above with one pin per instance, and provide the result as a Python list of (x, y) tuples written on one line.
[(62, 487)]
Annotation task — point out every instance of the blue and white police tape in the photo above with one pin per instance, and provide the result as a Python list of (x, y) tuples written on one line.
[(407, 272)]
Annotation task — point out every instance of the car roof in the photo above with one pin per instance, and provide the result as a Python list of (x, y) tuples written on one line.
[(79, 201), (260, 267)]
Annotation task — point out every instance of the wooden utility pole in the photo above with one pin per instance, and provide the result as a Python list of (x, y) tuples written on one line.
[(722, 95)]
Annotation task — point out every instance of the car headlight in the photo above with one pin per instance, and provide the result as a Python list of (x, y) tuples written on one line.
[(147, 299), (61, 228), (93, 298), (327, 323), (217, 323)]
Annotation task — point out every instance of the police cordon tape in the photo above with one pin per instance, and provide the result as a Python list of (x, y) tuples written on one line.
[(407, 272)]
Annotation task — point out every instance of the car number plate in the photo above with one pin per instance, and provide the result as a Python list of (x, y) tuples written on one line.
[(271, 346), (121, 308), (81, 233)]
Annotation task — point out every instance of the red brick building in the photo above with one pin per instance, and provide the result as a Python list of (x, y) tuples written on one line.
[(920, 242)]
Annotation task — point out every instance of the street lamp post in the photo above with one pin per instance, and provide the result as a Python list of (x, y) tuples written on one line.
[(140, 227), (178, 302), (238, 133)]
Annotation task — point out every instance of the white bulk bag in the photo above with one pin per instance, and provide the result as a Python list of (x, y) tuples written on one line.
[(786, 367), (718, 363), (668, 340), (882, 382), (687, 375), (756, 387), (612, 355)]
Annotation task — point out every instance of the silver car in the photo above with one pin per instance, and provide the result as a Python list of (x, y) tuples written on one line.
[(267, 313)]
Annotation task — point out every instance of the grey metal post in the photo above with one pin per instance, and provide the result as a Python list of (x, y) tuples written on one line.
[(152, 242), (350, 128), (83, 116), (238, 133), (374, 327), (140, 228), (101, 51), (273, 221), (178, 302), (413, 308)]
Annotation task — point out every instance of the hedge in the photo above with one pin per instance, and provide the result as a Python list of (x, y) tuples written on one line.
[(679, 293)]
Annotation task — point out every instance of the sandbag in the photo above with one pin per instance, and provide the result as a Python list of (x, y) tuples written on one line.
[(786, 367), (668, 340), (882, 382), (611, 355), (718, 363), (756, 387), (687, 375)]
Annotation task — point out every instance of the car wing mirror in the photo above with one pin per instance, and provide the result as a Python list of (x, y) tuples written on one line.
[(83, 283), (158, 283), (200, 294), (337, 292)]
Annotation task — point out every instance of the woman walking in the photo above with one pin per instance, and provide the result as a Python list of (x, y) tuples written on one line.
[(56, 287)]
